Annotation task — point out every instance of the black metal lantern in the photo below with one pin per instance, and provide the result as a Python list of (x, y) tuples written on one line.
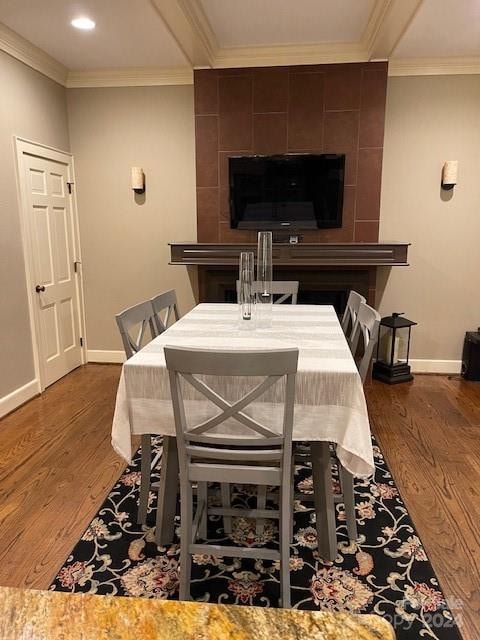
[(393, 349)]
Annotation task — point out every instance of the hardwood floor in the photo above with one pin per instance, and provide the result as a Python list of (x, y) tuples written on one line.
[(429, 433), (57, 466)]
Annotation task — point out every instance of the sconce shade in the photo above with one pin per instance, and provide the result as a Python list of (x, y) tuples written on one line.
[(450, 174), (138, 179)]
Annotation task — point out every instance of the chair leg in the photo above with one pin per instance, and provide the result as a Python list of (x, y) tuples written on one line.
[(202, 496), (145, 469), (292, 498), (346, 482), (324, 502), (227, 520), (186, 518), (261, 504), (285, 527), (167, 493)]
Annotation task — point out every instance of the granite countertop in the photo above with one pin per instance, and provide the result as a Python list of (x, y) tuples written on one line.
[(46, 615)]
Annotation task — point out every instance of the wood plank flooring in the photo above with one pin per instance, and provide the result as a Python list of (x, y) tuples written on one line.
[(429, 432), (57, 466)]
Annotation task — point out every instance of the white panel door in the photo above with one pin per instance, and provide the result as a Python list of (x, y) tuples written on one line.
[(52, 243)]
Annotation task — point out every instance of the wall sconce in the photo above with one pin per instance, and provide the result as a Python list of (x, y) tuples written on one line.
[(449, 174), (138, 180)]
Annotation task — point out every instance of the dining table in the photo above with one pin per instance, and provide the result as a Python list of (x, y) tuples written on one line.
[(330, 404)]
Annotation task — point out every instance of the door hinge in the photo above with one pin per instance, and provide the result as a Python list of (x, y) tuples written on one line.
[(70, 186), (76, 265), (81, 342)]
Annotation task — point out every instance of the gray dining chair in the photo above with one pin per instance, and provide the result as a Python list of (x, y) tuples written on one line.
[(165, 308), (250, 454), (285, 289), (366, 328), (350, 314), (365, 331), (137, 326)]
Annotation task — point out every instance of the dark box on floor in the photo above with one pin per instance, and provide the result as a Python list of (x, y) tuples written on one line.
[(471, 356)]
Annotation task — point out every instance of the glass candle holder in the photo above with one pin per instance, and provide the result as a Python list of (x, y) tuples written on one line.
[(246, 290), (264, 278)]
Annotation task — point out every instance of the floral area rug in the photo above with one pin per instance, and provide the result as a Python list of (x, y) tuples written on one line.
[(385, 572)]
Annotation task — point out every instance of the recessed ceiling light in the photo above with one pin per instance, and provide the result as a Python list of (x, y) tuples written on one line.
[(83, 23)]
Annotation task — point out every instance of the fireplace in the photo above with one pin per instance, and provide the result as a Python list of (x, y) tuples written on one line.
[(338, 299), (317, 286), (325, 272)]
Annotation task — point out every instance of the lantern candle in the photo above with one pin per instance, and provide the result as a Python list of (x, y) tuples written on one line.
[(393, 349)]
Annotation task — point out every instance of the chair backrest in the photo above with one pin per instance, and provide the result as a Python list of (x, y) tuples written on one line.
[(283, 288), (142, 317), (198, 441), (165, 304), (367, 326), (350, 314)]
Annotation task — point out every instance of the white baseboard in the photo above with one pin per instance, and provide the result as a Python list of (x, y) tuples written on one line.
[(418, 366), (436, 366), (19, 396), (105, 356)]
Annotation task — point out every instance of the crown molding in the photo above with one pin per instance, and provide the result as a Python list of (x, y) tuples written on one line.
[(23, 50), (199, 22), (188, 25), (434, 66), (377, 17), (131, 77), (388, 23), (289, 54)]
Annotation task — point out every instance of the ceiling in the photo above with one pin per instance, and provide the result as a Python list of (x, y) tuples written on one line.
[(161, 41), (443, 28), (267, 22), (128, 33)]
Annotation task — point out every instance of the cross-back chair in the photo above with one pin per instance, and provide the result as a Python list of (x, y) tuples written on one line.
[(285, 289), (350, 314), (366, 327), (250, 454), (165, 309), (141, 319), (365, 330)]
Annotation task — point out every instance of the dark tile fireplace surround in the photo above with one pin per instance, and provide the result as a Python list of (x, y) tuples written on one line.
[(336, 108)]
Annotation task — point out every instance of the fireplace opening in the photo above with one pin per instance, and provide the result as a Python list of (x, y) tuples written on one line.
[(338, 299), (317, 286)]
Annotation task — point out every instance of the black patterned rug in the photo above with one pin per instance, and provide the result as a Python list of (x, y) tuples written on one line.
[(386, 571)]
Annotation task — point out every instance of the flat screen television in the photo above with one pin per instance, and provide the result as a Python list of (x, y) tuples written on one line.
[(294, 191)]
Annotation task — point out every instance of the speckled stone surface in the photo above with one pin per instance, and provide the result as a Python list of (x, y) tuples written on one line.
[(43, 615)]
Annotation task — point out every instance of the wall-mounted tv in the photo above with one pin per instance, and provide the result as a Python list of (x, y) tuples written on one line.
[(294, 191)]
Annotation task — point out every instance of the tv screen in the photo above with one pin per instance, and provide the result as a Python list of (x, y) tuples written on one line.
[(294, 191)]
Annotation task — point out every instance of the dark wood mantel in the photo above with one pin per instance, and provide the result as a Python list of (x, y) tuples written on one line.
[(301, 255), (325, 272)]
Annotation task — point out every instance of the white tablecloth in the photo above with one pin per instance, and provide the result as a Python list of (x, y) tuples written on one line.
[(329, 402)]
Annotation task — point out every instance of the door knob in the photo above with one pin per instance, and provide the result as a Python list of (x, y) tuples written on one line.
[(39, 288)]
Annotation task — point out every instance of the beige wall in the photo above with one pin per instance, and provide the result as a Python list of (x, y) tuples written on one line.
[(124, 243), (429, 120), (33, 107)]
